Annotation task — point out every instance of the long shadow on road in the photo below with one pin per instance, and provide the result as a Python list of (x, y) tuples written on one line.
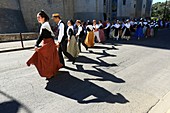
[(71, 87), (100, 62), (96, 71), (82, 90), (103, 75)]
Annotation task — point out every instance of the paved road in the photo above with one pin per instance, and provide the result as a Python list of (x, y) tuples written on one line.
[(121, 77)]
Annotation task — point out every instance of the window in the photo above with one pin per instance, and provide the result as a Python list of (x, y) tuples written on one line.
[(104, 2), (143, 6), (124, 2), (134, 5)]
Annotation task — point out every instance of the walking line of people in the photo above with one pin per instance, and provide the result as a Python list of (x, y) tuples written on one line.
[(48, 58)]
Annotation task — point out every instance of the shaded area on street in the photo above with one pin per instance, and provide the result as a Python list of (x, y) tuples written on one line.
[(100, 62), (161, 40), (71, 87), (97, 72)]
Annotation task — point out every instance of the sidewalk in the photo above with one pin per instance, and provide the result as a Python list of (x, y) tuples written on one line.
[(16, 45)]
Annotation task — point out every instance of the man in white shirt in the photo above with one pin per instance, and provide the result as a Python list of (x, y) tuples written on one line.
[(62, 39), (80, 35), (96, 30)]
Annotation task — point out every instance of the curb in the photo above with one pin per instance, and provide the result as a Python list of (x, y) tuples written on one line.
[(18, 49)]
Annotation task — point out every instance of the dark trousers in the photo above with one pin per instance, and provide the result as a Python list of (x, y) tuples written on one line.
[(81, 40), (63, 48), (107, 32)]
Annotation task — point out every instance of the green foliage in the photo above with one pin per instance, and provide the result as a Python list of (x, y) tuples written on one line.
[(159, 10)]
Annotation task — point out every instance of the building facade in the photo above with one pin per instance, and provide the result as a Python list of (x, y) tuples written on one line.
[(131, 8), (20, 15)]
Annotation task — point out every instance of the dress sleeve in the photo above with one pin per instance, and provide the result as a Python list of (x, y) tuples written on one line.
[(40, 38), (70, 32)]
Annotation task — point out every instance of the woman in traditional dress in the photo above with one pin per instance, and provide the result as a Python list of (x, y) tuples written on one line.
[(117, 28), (133, 28), (148, 30), (139, 31), (101, 32), (46, 58), (145, 23), (90, 37), (152, 29), (112, 30), (126, 31), (72, 48)]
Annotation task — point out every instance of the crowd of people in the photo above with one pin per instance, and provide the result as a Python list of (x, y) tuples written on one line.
[(48, 58), (124, 29)]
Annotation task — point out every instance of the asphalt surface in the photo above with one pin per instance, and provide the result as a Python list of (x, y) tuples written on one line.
[(117, 77)]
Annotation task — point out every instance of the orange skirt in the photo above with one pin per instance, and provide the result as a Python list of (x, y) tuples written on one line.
[(89, 41), (46, 59)]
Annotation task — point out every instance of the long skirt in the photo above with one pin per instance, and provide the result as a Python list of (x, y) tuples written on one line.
[(148, 32), (101, 35), (112, 33), (46, 59), (126, 34), (72, 47), (139, 32), (152, 32), (144, 30), (116, 35), (89, 41)]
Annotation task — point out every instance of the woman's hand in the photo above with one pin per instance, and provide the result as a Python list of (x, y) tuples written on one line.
[(69, 40), (57, 45), (36, 49)]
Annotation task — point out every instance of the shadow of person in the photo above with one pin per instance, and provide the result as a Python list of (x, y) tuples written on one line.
[(86, 60), (71, 87), (103, 47), (103, 54), (104, 76), (12, 106), (9, 107), (105, 64)]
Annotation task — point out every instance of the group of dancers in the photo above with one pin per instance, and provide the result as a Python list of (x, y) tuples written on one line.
[(48, 58), (138, 29)]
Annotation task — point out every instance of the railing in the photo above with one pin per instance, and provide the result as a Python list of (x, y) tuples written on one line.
[(17, 41)]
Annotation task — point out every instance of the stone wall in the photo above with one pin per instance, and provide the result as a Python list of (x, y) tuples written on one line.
[(30, 8), (11, 19), (17, 36), (20, 15), (88, 9)]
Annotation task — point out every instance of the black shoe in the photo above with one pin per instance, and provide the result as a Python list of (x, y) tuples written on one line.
[(63, 66), (87, 48), (74, 61)]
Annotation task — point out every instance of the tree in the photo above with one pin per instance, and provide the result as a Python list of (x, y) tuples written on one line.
[(161, 10)]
